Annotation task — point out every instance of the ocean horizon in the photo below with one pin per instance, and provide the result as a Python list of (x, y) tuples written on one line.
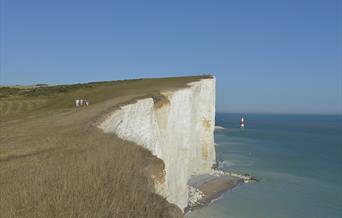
[(297, 158)]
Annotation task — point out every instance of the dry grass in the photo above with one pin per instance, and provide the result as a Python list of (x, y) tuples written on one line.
[(78, 179), (9, 107), (54, 163)]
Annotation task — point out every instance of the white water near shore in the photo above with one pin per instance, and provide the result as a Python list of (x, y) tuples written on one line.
[(207, 187), (297, 159)]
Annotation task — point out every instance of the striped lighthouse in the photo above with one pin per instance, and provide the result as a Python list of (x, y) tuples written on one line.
[(242, 123)]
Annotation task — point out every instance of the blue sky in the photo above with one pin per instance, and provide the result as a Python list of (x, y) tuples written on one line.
[(268, 56)]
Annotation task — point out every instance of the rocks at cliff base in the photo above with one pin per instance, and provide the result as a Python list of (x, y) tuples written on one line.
[(207, 187)]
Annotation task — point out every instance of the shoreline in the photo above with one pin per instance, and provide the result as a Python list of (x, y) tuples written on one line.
[(207, 188)]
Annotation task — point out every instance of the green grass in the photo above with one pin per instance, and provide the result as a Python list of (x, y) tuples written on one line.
[(55, 163), (63, 96)]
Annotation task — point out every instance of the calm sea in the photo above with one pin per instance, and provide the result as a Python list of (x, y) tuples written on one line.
[(297, 157)]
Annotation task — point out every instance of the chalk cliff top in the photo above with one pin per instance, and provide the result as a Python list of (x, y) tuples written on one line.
[(43, 99), (46, 142), (177, 126)]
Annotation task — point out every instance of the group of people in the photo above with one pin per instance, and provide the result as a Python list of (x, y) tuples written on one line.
[(81, 102)]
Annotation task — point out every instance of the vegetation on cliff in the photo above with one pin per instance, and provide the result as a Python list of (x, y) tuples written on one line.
[(55, 163)]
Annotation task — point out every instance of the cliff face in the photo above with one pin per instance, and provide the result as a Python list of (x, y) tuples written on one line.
[(178, 128)]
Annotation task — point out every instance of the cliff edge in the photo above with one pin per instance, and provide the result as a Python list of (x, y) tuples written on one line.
[(56, 162), (177, 126)]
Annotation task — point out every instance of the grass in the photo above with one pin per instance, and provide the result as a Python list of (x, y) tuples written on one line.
[(77, 179), (54, 163)]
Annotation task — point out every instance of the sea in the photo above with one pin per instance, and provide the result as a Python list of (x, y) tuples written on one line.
[(297, 158)]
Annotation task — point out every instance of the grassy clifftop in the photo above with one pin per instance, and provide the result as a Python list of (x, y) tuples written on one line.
[(22, 100), (54, 163)]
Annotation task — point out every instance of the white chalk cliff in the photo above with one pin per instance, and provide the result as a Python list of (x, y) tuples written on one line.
[(178, 128)]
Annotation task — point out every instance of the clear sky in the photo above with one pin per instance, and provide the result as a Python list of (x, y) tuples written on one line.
[(268, 56)]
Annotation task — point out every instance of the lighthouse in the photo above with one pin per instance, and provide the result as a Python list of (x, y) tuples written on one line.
[(242, 123)]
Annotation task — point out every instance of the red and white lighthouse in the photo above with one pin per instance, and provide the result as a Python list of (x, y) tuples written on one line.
[(242, 123)]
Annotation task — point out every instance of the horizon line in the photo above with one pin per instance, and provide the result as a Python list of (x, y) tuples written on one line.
[(279, 113)]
